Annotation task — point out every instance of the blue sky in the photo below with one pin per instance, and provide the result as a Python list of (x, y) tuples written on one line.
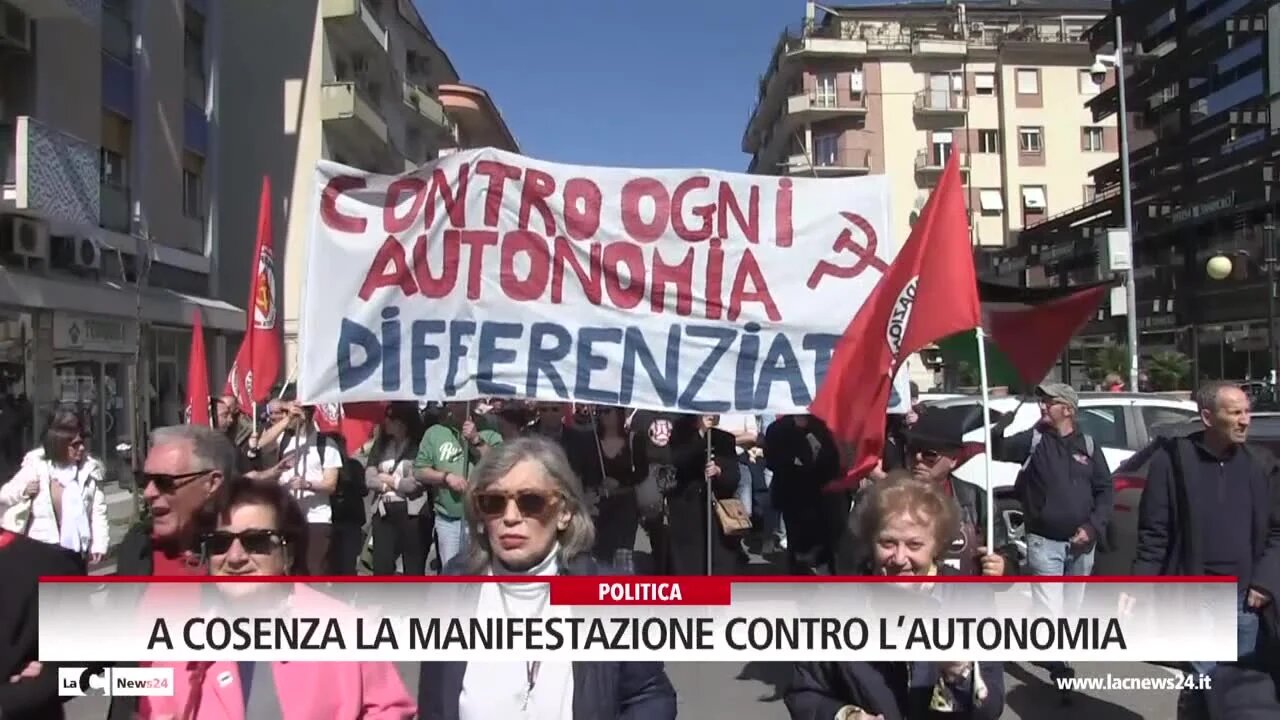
[(640, 83)]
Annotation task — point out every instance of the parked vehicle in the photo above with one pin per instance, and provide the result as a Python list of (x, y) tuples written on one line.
[(1120, 423), (1115, 557)]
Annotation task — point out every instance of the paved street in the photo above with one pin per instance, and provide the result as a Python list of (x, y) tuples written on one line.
[(754, 692)]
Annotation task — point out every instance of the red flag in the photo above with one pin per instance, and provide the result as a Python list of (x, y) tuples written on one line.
[(197, 376), (257, 364), (355, 422), (930, 291)]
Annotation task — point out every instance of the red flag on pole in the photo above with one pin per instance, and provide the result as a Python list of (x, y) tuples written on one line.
[(197, 375), (929, 292), (257, 364), (355, 422)]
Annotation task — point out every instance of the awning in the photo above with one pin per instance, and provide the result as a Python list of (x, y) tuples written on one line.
[(1033, 198), (159, 305), (991, 200), (984, 81)]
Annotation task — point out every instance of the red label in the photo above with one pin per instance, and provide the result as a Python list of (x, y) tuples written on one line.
[(641, 591)]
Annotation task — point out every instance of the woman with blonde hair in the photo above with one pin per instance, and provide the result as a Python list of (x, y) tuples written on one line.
[(908, 524), (526, 516)]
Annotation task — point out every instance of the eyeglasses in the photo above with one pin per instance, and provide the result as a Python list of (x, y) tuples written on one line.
[(168, 483), (928, 456), (254, 542), (529, 503)]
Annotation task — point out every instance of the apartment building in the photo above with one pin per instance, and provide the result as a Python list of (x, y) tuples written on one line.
[(353, 81), (106, 135), (477, 118), (897, 88), (1201, 92)]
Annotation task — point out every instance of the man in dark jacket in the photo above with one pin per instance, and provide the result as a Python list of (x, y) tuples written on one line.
[(28, 689), (803, 457), (1211, 507)]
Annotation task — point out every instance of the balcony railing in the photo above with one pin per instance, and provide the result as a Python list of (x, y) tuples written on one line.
[(423, 106), (940, 101), (935, 158)]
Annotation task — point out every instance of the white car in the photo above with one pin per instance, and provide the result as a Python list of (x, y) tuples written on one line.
[(1120, 423)]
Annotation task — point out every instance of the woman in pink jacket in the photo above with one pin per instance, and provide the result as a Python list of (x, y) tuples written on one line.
[(262, 531)]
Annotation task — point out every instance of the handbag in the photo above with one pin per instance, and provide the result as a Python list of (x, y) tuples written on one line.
[(734, 519)]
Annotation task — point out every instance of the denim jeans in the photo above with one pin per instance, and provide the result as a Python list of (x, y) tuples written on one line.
[(1247, 624), (744, 492), (1057, 558), (451, 538)]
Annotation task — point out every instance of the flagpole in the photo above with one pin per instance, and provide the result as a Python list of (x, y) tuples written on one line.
[(986, 435), (710, 500)]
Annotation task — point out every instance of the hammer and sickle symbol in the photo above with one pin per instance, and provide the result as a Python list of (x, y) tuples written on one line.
[(866, 254)]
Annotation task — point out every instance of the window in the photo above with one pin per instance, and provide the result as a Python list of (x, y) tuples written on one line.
[(1033, 198), (825, 91), (1030, 140), (117, 30), (1087, 85), (1028, 82), (192, 186), (1091, 139), (1157, 418), (988, 141), (1090, 193), (984, 83), (113, 169), (193, 57), (825, 150), (1105, 424)]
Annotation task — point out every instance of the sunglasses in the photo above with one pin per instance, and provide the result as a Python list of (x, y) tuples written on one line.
[(254, 542), (529, 503), (168, 484), (928, 456)]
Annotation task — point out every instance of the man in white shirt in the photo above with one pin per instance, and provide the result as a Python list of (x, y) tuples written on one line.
[(312, 476)]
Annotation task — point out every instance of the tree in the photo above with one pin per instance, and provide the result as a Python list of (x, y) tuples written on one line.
[(1169, 370), (1107, 359)]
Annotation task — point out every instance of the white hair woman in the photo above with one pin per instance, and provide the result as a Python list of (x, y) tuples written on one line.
[(526, 517)]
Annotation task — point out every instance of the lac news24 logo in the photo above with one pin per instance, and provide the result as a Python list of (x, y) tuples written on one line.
[(100, 681)]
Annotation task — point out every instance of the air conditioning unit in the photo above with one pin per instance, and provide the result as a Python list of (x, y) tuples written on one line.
[(15, 28), (88, 254), (25, 237)]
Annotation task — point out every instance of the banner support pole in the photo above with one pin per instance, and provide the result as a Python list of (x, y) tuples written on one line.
[(710, 501)]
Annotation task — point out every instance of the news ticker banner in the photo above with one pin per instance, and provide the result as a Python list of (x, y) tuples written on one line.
[(615, 619)]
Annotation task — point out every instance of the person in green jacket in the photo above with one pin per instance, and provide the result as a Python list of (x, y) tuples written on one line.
[(448, 453)]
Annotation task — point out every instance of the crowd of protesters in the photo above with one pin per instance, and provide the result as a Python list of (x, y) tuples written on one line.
[(534, 489)]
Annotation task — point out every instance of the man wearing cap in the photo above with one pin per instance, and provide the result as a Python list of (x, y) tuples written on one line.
[(1065, 490)]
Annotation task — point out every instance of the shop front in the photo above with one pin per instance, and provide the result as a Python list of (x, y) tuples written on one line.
[(93, 361)]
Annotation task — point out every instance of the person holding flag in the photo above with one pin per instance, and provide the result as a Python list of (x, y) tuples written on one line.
[(257, 364)]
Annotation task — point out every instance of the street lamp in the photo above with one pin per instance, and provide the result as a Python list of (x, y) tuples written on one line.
[(1220, 266), (1098, 72)]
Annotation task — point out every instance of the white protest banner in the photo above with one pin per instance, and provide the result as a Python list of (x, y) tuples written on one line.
[(487, 273)]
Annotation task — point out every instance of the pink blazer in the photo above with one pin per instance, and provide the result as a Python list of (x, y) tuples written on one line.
[(306, 690)]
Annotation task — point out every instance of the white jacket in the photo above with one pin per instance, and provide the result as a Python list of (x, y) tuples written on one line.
[(15, 506)]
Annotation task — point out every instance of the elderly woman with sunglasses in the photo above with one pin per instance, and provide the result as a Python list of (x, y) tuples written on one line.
[(261, 531), (526, 516), (908, 523), (57, 497)]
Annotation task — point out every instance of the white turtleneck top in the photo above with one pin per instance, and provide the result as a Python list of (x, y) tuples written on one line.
[(501, 689)]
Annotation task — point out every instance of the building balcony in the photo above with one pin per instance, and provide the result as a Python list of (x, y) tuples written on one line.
[(940, 47), (932, 161), (844, 162), (812, 108), (49, 173), (352, 113), (939, 103), (425, 110), (832, 47), (86, 11), (355, 23)]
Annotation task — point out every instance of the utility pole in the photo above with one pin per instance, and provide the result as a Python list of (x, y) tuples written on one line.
[(1126, 197), (1269, 264), (138, 380)]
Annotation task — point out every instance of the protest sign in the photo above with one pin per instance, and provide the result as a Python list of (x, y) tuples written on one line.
[(487, 273)]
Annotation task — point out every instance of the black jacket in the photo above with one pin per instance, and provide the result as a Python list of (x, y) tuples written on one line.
[(601, 690), (1063, 487), (894, 690), (22, 562)]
